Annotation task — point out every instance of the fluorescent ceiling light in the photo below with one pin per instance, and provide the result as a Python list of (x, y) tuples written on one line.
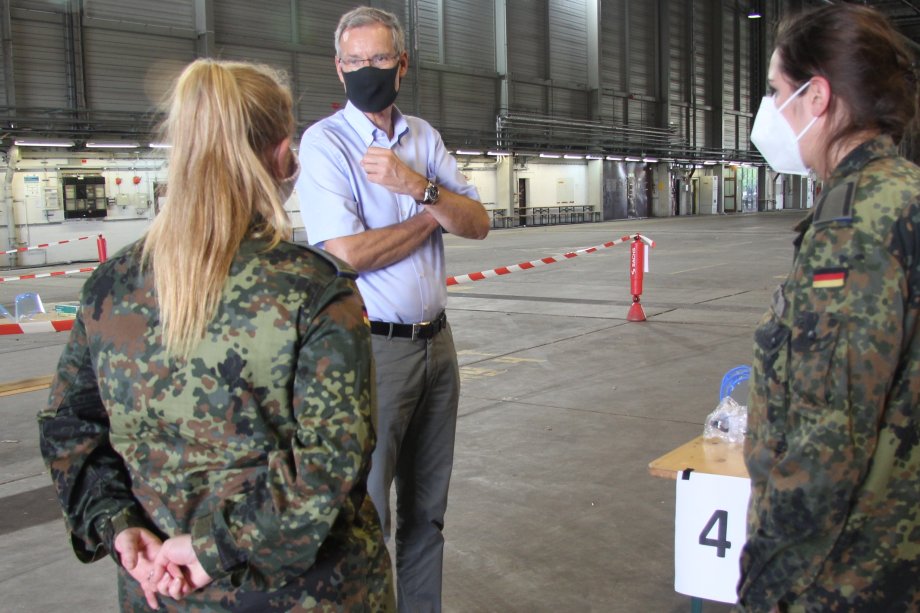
[(160, 146), (550, 155), (43, 142), (633, 160), (710, 163), (650, 160), (468, 152), (592, 156), (499, 153), (112, 144), (754, 15), (614, 158), (572, 156)]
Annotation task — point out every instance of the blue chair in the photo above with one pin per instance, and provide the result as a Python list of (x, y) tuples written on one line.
[(5, 313)]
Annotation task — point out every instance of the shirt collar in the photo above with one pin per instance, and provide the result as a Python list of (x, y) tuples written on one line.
[(881, 146), (366, 128)]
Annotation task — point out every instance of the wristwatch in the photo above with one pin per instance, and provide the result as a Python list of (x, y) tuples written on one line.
[(432, 193)]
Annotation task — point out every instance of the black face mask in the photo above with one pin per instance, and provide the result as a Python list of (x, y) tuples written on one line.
[(371, 89)]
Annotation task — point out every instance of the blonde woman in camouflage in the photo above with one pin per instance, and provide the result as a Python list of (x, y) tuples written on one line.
[(210, 425), (833, 448)]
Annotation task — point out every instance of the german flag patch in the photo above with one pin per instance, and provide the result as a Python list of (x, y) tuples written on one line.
[(829, 277)]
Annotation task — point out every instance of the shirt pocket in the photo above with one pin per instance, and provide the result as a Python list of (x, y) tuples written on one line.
[(815, 337), (769, 391)]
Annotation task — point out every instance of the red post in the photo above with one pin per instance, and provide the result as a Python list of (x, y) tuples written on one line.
[(100, 247), (636, 276)]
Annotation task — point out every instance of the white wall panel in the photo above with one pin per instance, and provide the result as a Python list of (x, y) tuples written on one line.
[(128, 71), (164, 13), (39, 60), (268, 20)]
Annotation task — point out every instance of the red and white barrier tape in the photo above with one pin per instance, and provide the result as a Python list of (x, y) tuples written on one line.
[(45, 245), (67, 324), (504, 270), (29, 327), (42, 275)]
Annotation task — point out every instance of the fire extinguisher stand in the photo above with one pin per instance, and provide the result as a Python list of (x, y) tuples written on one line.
[(638, 266)]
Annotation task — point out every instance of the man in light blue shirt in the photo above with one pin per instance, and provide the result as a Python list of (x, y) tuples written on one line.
[(377, 189)]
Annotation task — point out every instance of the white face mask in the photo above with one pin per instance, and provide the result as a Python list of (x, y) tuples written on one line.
[(774, 138)]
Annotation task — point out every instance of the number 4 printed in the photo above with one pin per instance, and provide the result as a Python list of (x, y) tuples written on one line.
[(721, 543)]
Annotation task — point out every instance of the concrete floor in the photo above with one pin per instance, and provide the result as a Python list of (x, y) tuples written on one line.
[(564, 404)]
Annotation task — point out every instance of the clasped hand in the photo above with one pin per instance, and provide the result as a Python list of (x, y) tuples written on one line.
[(384, 167), (169, 568)]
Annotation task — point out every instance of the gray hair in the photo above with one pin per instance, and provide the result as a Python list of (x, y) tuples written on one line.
[(366, 16)]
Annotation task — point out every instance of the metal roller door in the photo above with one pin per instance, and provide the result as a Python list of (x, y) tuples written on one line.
[(39, 49), (162, 13), (243, 21), (130, 71)]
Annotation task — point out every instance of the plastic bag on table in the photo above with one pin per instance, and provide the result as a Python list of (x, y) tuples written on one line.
[(728, 422)]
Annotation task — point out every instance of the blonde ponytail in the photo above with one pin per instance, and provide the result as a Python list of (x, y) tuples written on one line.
[(224, 120)]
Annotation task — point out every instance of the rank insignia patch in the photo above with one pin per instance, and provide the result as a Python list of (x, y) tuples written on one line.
[(829, 277)]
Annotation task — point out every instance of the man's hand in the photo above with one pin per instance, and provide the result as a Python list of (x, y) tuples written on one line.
[(383, 167)]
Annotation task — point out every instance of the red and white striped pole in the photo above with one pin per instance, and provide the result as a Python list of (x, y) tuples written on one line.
[(100, 247), (637, 268)]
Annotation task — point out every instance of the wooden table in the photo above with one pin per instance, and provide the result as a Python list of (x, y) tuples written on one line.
[(712, 456)]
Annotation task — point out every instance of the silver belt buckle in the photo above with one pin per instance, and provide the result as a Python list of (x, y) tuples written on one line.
[(417, 328)]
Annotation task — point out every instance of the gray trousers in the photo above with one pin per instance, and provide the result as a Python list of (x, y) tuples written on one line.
[(418, 390)]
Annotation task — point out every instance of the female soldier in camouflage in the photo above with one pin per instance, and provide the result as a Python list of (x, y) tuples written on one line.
[(833, 448), (210, 422)]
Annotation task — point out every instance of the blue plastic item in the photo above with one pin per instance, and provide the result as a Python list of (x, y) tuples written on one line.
[(28, 305), (732, 378)]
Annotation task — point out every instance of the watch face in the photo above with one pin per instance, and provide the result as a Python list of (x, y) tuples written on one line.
[(431, 194)]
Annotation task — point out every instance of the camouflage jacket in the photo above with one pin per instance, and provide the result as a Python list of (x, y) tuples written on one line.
[(833, 447), (258, 444)]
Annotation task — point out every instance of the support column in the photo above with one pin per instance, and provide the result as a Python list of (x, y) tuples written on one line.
[(501, 54), (9, 74), (593, 24), (204, 28), (715, 78)]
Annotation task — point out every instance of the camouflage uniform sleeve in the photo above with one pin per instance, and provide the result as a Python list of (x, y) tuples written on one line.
[(824, 390), (277, 527), (91, 480)]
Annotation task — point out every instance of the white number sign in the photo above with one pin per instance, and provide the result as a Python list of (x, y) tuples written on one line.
[(709, 532)]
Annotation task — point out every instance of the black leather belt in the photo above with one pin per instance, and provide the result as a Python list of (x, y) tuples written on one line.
[(424, 330)]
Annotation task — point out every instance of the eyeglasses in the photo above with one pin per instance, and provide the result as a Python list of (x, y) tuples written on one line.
[(381, 60)]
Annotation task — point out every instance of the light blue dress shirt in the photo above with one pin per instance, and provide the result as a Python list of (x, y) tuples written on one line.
[(337, 199)]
